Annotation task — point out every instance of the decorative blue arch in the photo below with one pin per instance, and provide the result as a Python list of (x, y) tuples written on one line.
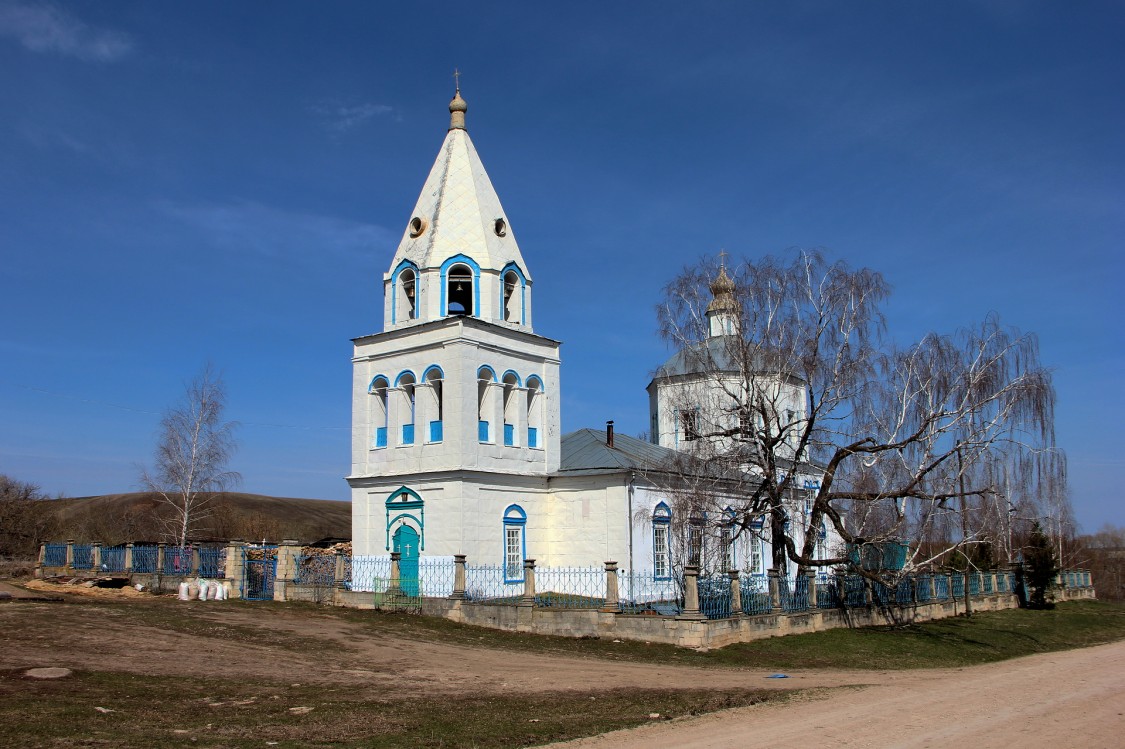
[(485, 368), (394, 287), (376, 378), (456, 259), (404, 373), (523, 292), (431, 368), (519, 382), (406, 505), (662, 513), (535, 378)]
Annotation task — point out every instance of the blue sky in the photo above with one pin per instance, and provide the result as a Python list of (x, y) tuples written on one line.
[(185, 182)]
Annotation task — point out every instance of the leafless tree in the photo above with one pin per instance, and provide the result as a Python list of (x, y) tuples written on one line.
[(25, 518), (824, 419), (192, 452)]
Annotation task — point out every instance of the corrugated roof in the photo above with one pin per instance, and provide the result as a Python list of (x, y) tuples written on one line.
[(586, 450)]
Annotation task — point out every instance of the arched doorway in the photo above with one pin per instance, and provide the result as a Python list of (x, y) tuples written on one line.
[(405, 542)]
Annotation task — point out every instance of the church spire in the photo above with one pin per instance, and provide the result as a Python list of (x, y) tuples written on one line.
[(457, 107)]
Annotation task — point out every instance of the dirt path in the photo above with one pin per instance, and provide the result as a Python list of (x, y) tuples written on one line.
[(1074, 698)]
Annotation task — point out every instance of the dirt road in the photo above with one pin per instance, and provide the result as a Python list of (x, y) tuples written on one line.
[(1070, 699)]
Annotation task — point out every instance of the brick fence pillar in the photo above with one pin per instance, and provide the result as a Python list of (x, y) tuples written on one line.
[(691, 593), (69, 570)]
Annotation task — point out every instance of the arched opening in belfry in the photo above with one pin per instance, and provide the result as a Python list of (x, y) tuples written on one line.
[(460, 290), (512, 297), (407, 296)]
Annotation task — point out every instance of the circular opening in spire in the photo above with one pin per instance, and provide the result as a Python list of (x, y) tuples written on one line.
[(417, 226), (501, 227)]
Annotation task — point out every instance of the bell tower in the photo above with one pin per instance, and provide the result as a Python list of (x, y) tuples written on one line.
[(457, 393)]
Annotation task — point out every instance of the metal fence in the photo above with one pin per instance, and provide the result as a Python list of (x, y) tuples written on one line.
[(212, 561), (54, 555), (144, 559), (642, 592), (570, 587), (715, 599), (488, 584), (83, 557), (755, 593), (315, 569), (113, 559), (178, 560)]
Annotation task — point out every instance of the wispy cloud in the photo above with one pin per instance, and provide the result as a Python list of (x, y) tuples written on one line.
[(46, 28), (266, 231), (339, 117)]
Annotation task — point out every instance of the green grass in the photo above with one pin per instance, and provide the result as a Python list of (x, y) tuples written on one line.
[(161, 712)]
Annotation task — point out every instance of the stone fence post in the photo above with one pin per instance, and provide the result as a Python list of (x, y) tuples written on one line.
[(528, 597), (735, 593), (339, 569), (775, 588), (234, 566), (41, 559), (129, 557), (394, 585), (458, 577), (691, 593), (69, 570), (611, 591), (195, 560), (287, 554), (96, 557), (159, 559), (812, 588)]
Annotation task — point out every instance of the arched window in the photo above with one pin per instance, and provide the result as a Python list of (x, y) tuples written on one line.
[(432, 378), (756, 562), (486, 402), (405, 383), (379, 411), (512, 404), (661, 535), (515, 543), (534, 411), (460, 286), (404, 301), (513, 291), (726, 540)]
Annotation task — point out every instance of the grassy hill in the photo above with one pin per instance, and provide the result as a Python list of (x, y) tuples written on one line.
[(142, 516)]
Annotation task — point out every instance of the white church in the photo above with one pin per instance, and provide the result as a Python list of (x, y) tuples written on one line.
[(456, 425)]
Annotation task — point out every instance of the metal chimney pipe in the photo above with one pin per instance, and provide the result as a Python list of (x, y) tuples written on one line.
[(609, 434)]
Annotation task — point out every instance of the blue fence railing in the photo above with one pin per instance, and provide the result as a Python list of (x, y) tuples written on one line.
[(212, 562), (83, 557), (144, 559), (316, 569), (54, 555), (486, 583), (178, 560), (113, 559)]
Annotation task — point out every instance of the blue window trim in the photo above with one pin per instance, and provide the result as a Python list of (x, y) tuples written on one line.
[(523, 293), (537, 378), (404, 373), (431, 368), (662, 517), (514, 373), (456, 259), (514, 515), (383, 377), (403, 510), (490, 370), (394, 288)]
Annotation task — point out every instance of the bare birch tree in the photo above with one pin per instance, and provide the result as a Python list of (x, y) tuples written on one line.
[(826, 420), (192, 453)]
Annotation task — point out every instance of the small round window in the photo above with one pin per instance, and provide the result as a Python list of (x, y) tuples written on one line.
[(501, 227), (417, 226)]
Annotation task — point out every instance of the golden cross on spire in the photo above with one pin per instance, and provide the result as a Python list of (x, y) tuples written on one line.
[(457, 79), (723, 259)]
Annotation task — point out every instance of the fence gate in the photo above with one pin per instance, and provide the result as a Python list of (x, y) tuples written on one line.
[(259, 571)]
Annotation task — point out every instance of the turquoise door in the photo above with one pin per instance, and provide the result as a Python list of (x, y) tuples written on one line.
[(406, 544)]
